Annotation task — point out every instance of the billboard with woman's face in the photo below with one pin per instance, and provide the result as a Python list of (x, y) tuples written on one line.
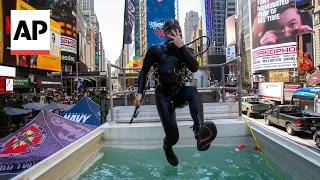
[(274, 27)]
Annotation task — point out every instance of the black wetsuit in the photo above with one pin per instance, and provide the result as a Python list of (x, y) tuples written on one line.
[(172, 93)]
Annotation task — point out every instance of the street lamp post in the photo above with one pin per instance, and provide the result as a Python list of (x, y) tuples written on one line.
[(77, 80)]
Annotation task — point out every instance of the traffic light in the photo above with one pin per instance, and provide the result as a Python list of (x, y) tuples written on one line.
[(305, 56), (304, 5)]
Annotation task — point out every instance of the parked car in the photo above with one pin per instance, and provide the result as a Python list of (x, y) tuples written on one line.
[(268, 101), (252, 106), (292, 118), (316, 138)]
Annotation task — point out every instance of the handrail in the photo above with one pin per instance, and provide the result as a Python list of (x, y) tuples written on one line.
[(199, 89), (200, 67), (223, 88)]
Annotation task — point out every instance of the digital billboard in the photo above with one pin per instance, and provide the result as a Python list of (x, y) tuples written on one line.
[(157, 13), (47, 62), (274, 28), (208, 18), (64, 12)]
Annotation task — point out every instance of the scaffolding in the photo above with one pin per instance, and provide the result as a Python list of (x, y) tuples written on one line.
[(143, 29)]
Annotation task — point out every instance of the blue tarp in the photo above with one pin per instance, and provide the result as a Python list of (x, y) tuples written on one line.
[(86, 111), (45, 135), (308, 92)]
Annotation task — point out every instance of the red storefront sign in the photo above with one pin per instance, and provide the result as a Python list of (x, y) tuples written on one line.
[(314, 78), (3, 85)]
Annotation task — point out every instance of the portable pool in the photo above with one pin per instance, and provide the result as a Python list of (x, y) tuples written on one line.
[(134, 151), (219, 162)]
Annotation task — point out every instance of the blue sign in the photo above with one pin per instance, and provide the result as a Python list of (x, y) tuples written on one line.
[(230, 53), (152, 84), (307, 92), (158, 11), (208, 18)]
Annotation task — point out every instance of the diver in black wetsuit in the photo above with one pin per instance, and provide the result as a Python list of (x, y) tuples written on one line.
[(170, 62)]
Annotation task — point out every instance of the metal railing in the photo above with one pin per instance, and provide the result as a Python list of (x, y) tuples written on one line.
[(223, 88)]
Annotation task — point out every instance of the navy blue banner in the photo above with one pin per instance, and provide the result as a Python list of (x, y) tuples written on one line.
[(158, 11), (130, 7)]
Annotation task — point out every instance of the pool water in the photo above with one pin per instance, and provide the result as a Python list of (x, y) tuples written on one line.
[(219, 162)]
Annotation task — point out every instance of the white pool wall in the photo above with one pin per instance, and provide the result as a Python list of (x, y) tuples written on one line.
[(68, 161)]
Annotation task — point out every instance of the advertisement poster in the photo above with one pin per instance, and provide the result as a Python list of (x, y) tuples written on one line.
[(231, 30), (274, 27), (48, 62), (271, 90), (20, 82), (69, 49), (52, 61), (9, 84), (65, 13), (231, 53), (5, 85), (157, 13)]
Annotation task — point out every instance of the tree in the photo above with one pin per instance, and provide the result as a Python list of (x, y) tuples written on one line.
[(16, 103), (36, 98), (4, 123), (96, 99)]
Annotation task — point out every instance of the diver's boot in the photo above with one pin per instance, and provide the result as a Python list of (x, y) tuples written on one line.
[(207, 133), (171, 157)]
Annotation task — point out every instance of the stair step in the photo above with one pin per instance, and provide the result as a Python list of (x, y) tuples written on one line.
[(155, 113), (149, 113), (178, 118)]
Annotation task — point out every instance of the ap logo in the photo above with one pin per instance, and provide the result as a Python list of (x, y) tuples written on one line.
[(30, 32)]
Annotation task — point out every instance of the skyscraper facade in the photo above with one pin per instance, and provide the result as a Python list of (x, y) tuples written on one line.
[(190, 24)]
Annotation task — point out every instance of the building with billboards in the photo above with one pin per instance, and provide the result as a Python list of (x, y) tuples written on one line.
[(65, 13), (273, 44), (30, 68)]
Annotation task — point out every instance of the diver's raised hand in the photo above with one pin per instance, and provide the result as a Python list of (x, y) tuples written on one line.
[(176, 38), (137, 101)]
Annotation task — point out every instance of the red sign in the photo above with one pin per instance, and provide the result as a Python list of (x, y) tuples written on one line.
[(314, 78), (3, 86), (291, 86), (24, 142)]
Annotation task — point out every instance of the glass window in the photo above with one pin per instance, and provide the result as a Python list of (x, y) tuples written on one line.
[(295, 101), (275, 109)]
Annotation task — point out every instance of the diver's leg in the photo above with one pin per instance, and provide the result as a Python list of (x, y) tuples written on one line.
[(168, 118), (205, 132), (196, 109)]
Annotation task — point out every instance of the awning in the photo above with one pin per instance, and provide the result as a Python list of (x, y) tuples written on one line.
[(15, 111)]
